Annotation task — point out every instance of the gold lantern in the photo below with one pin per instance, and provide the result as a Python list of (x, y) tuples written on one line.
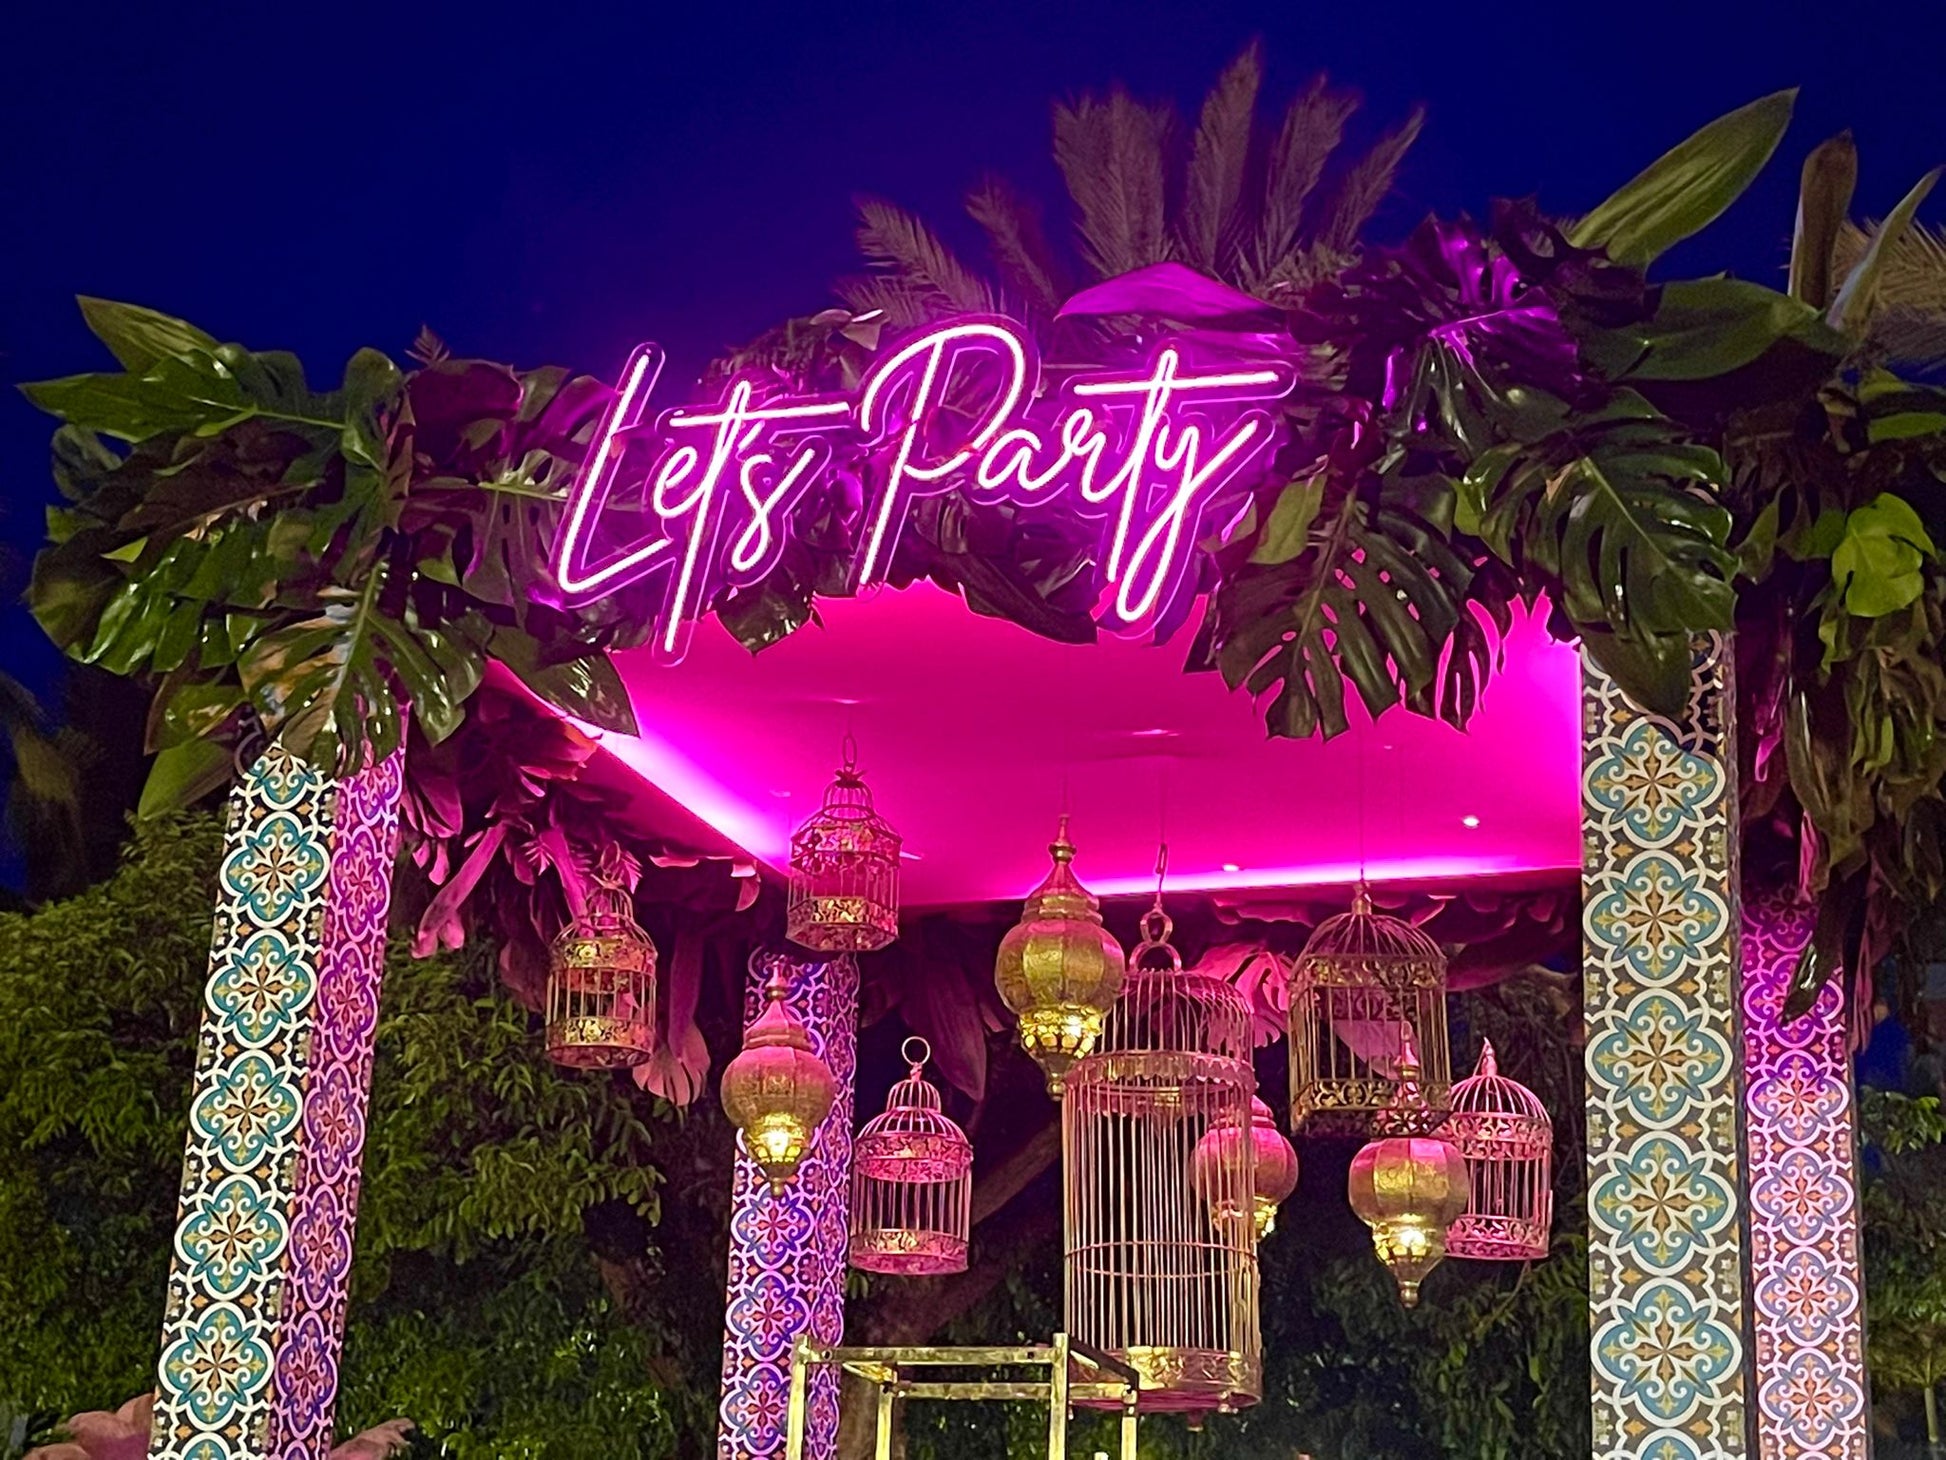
[(1151, 1281), (776, 1090), (1408, 1188), (1272, 1158), (1059, 969), (601, 986), (844, 871), (912, 1182), (1502, 1129), (1365, 987)]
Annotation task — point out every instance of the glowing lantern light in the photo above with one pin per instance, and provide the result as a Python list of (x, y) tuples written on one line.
[(1408, 1188), (844, 871), (776, 1091), (1220, 1156), (1366, 986), (912, 1182), (601, 986), (1502, 1130), (1059, 969)]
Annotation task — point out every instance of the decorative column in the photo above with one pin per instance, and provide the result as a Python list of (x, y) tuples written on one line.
[(1659, 918), (255, 1307), (1801, 1130), (787, 1253)]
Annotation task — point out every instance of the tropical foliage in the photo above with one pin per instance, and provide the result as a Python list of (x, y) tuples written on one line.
[(1905, 1245)]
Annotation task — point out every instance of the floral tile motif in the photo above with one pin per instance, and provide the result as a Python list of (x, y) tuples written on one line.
[(1659, 894), (260, 990), (218, 1366), (232, 1238)]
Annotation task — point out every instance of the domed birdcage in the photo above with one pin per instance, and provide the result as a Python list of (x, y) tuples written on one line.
[(1503, 1131), (912, 1182), (601, 986), (1161, 1256), (844, 882), (1365, 987)]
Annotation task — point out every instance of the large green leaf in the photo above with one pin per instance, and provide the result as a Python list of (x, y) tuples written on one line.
[(1879, 563), (1703, 328), (139, 337), (1688, 187), (1823, 204), (1852, 309), (586, 687), (182, 775)]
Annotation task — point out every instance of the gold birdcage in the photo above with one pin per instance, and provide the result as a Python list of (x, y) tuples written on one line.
[(1366, 986), (844, 881), (912, 1182), (1161, 1257), (1503, 1131), (601, 987)]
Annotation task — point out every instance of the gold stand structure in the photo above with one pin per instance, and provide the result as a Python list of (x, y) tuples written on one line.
[(885, 1369)]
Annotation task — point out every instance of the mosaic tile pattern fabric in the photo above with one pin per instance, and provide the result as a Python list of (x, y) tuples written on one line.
[(1800, 1128), (1659, 924), (787, 1253), (263, 1239)]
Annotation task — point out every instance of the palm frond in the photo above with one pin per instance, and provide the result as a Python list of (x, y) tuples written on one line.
[(1020, 248), (902, 304), (1914, 276), (1110, 152), (1312, 130), (1368, 183), (1219, 155), (904, 250)]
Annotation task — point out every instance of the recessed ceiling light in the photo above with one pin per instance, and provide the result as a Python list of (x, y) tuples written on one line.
[(1231, 867), (1469, 821)]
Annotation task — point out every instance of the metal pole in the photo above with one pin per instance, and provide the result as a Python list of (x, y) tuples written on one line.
[(794, 1417), (1057, 1401), (883, 1451)]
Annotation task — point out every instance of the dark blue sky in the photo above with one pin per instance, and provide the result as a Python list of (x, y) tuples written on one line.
[(553, 182)]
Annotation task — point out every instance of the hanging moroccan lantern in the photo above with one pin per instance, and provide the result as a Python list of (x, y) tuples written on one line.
[(1365, 987), (776, 1091), (1408, 1188), (912, 1182), (844, 871), (1225, 1148), (1502, 1129), (1149, 1279), (600, 997), (1059, 969)]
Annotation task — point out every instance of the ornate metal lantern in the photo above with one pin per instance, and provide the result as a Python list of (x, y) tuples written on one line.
[(912, 1182), (1502, 1130), (601, 986), (1408, 1188), (1272, 1158), (1151, 1279), (1365, 986), (776, 1091), (1059, 969), (844, 871)]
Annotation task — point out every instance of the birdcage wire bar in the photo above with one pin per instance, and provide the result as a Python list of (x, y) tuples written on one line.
[(1365, 987), (844, 877), (600, 997), (1503, 1131), (912, 1182), (1161, 1267)]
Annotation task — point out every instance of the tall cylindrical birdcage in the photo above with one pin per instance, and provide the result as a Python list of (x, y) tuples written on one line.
[(912, 1182), (844, 880), (1503, 1131), (1161, 1250), (1366, 986), (601, 985)]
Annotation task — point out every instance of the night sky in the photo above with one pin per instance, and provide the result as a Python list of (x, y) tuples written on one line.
[(551, 183)]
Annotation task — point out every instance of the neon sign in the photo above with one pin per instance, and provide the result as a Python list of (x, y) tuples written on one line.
[(704, 494)]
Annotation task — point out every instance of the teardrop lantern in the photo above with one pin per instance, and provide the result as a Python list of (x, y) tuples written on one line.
[(600, 998), (1151, 1280), (844, 883), (1059, 969), (776, 1091), (1366, 985), (912, 1182), (1407, 1187), (1503, 1131), (1273, 1161)]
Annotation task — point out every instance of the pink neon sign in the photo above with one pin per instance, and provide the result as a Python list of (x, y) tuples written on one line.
[(703, 495)]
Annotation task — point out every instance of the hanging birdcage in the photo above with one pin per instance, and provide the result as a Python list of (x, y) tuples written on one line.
[(1161, 1267), (601, 986), (1365, 987), (844, 871), (1503, 1131), (912, 1182)]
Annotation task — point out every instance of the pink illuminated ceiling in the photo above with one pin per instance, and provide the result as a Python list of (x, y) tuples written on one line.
[(971, 731)]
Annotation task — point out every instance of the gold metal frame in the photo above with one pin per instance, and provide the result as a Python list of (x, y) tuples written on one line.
[(884, 1368)]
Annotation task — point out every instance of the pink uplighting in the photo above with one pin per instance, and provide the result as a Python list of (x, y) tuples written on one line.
[(973, 733)]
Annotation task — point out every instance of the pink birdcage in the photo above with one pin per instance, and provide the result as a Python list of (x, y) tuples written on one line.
[(912, 1182), (1503, 1131), (844, 881)]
